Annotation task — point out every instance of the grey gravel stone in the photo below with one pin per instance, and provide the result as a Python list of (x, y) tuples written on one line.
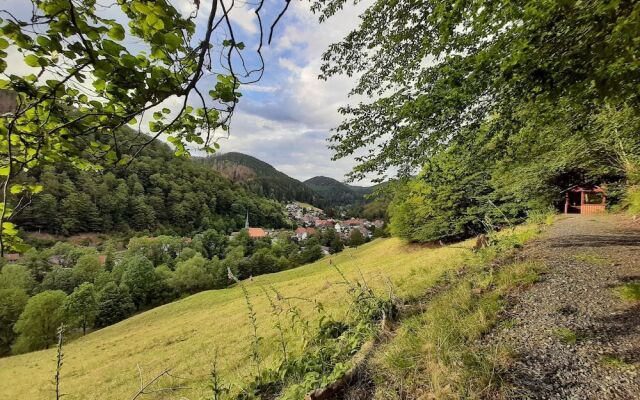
[(587, 257)]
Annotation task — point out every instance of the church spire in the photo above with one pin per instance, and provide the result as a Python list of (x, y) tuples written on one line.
[(246, 221)]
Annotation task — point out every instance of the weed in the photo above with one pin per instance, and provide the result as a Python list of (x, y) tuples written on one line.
[(217, 388), (613, 361), (437, 352), (592, 259), (255, 338), (629, 291), (566, 335)]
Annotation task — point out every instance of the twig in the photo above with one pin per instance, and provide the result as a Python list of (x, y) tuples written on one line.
[(59, 357)]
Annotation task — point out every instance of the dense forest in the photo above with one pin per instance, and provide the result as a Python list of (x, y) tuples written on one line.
[(335, 193), (157, 192), (261, 178)]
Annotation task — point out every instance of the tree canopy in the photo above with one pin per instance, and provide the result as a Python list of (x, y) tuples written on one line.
[(488, 110), (85, 80), (439, 71)]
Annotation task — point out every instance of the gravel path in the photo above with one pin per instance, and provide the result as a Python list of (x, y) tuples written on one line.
[(571, 336)]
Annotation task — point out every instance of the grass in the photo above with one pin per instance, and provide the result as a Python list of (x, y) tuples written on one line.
[(593, 259), (629, 291), (435, 354), (566, 335), (186, 334), (615, 362), (631, 200)]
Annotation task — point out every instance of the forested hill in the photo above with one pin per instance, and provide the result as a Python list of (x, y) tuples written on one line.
[(261, 178), (157, 192), (336, 193)]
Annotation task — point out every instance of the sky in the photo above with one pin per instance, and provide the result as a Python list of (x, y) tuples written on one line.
[(286, 118)]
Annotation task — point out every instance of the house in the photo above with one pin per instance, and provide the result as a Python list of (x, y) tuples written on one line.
[(378, 223), (102, 258), (309, 220), (256, 233), (354, 222), (304, 233), (324, 224), (588, 199), (12, 257)]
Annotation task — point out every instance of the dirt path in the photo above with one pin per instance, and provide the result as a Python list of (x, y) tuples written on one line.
[(571, 334)]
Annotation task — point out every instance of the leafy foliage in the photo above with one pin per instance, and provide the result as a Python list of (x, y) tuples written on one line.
[(492, 102), (81, 306), (12, 303), (38, 323), (82, 84)]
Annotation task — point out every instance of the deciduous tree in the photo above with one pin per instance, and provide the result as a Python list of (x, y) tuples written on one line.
[(38, 323)]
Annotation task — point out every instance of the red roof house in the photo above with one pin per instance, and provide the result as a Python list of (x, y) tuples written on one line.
[(256, 233)]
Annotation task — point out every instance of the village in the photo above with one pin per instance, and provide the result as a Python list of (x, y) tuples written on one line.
[(310, 220)]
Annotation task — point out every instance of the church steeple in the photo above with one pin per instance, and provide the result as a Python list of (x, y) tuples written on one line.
[(246, 221)]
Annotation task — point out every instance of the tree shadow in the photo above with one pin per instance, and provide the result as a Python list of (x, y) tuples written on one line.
[(617, 327), (631, 239)]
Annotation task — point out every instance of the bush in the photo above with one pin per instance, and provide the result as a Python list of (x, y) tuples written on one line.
[(114, 305), (38, 323), (191, 276), (631, 200), (15, 276), (12, 303)]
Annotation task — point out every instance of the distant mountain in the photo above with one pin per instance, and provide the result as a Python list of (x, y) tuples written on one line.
[(261, 178), (336, 193)]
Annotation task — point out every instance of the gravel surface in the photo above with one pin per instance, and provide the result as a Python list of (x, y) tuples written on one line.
[(571, 335)]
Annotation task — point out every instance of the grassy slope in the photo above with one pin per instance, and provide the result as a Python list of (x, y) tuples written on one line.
[(183, 335)]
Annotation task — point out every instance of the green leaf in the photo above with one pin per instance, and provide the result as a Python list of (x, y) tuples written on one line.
[(15, 189), (151, 19), (32, 60), (172, 40), (3, 44), (116, 32), (99, 84)]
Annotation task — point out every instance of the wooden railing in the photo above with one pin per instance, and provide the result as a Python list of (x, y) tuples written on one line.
[(592, 209)]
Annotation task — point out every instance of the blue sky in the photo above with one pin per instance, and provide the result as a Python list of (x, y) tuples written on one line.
[(286, 118)]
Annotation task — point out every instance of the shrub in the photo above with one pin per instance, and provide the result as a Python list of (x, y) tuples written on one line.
[(114, 305), (38, 323)]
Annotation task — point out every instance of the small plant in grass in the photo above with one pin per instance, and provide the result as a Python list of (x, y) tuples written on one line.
[(616, 362), (255, 338), (566, 335), (629, 291), (218, 389), (326, 351), (592, 259)]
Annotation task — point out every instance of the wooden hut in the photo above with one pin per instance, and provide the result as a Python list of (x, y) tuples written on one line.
[(585, 200)]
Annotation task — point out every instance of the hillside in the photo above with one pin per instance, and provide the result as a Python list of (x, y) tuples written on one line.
[(261, 178), (184, 335), (156, 192), (336, 193)]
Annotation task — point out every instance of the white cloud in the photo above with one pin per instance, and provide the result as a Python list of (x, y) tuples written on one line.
[(302, 112)]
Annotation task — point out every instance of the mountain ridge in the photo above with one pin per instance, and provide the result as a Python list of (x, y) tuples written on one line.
[(261, 177)]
